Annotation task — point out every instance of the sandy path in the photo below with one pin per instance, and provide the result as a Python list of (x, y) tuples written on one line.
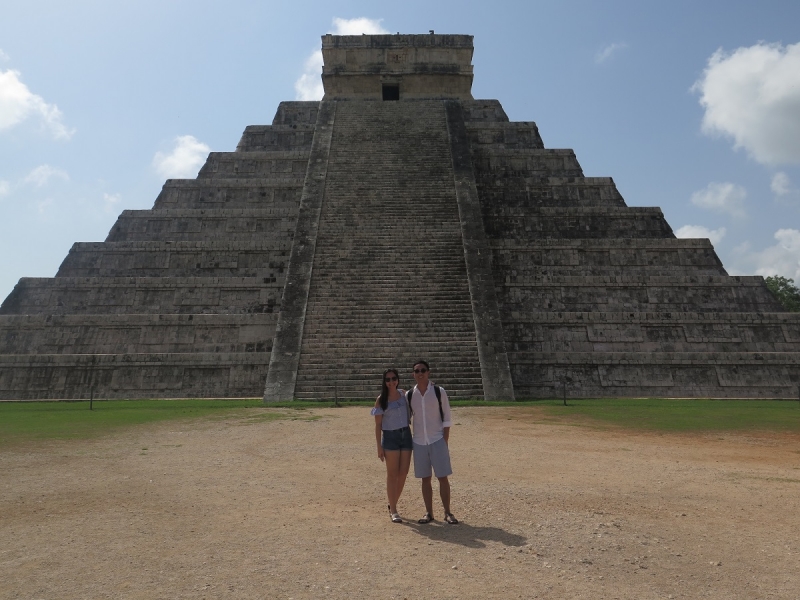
[(243, 508)]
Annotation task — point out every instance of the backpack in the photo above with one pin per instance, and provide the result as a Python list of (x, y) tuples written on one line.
[(436, 390)]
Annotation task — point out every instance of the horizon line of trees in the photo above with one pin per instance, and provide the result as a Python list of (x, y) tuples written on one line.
[(784, 289)]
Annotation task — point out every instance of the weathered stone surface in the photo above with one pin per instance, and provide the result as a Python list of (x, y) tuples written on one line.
[(495, 373), (148, 295), (71, 376), (398, 219), (254, 164), (233, 225), (136, 333), (419, 66), (265, 260), (277, 192), (282, 375)]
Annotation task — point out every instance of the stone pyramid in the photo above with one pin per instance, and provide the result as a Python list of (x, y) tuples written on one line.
[(398, 218)]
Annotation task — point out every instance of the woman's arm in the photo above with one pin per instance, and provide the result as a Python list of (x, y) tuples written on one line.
[(378, 423)]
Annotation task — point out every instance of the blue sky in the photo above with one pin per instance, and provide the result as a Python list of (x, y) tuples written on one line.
[(690, 106)]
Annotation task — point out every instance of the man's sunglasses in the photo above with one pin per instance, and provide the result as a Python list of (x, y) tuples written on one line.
[(388, 379), (422, 370)]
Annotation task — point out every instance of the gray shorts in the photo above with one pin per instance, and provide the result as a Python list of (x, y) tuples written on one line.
[(436, 455)]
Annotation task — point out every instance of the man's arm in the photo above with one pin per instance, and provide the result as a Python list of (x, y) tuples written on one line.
[(447, 422)]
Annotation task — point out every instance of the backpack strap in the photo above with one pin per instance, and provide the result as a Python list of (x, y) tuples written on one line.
[(409, 393), (438, 391)]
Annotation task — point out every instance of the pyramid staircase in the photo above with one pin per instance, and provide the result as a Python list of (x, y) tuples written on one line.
[(389, 282)]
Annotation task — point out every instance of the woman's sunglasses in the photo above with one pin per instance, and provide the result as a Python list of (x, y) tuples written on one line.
[(388, 379)]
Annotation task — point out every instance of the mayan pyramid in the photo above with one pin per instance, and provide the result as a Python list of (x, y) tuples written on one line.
[(398, 218)]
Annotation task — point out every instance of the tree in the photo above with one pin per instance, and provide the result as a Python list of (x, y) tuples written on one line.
[(785, 291)]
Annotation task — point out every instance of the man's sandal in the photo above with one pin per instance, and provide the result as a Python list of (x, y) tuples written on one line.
[(450, 519), (426, 519), (396, 518)]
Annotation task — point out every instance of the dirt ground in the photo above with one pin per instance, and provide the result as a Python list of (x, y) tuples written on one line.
[(247, 508)]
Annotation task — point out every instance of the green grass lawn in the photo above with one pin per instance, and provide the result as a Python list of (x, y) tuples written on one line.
[(657, 414), (29, 421), (21, 421)]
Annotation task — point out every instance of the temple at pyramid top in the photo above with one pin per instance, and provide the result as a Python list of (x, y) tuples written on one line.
[(395, 67)]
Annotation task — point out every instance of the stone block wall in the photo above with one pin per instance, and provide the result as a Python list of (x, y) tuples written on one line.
[(603, 299), (181, 300)]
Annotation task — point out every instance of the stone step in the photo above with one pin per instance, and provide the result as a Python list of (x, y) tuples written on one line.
[(655, 374), (637, 294), (410, 322), (516, 135), (254, 164), (237, 224), (121, 334), (651, 332), (483, 111), (521, 190), (144, 295), (73, 376), (277, 192), (259, 138), (265, 259), (355, 250), (503, 275), (575, 222), (296, 113), (527, 162), (517, 261)]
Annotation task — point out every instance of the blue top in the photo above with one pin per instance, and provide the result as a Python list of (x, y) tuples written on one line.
[(396, 414)]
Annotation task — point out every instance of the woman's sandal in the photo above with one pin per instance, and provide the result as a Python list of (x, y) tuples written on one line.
[(426, 519), (396, 518), (450, 519)]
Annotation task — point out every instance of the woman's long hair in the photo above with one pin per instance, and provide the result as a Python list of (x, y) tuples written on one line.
[(384, 401)]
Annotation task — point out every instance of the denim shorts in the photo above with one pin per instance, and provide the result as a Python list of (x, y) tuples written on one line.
[(397, 439)]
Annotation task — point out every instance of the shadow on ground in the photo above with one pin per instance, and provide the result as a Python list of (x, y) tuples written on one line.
[(467, 535)]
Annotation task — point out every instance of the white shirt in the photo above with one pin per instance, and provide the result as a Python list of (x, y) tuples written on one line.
[(428, 424)]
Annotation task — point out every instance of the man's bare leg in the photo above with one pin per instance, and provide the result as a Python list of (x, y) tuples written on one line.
[(427, 495), (444, 493)]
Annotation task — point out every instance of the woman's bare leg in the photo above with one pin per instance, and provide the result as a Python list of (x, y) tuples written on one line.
[(392, 458), (402, 472)]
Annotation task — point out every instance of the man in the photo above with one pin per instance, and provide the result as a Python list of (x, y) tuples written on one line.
[(431, 435)]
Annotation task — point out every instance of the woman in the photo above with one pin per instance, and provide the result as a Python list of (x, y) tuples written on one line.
[(392, 420)]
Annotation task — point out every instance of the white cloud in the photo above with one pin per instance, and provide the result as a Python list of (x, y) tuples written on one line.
[(3, 56), (186, 157), (722, 197), (43, 206), (42, 175), (18, 103), (781, 186), (309, 85), (753, 96), (357, 26), (781, 259), (5, 188), (698, 231), (608, 51), (111, 201)]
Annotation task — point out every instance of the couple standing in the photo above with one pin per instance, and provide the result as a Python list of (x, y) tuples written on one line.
[(429, 406)]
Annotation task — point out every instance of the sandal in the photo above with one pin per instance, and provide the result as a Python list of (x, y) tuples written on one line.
[(450, 519), (426, 519), (396, 518)]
